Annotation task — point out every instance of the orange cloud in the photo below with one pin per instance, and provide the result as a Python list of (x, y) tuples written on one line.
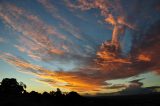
[(107, 9), (143, 57), (64, 80), (110, 19), (109, 53)]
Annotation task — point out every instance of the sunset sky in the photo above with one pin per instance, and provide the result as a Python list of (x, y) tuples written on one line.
[(88, 46)]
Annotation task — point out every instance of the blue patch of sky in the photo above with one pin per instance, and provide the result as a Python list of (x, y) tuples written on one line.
[(126, 42)]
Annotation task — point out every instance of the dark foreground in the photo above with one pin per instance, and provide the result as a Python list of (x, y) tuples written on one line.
[(13, 93), (134, 100)]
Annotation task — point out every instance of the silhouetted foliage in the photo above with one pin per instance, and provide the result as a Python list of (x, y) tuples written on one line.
[(58, 98), (46, 94), (52, 93), (58, 93), (34, 93), (73, 94), (11, 87)]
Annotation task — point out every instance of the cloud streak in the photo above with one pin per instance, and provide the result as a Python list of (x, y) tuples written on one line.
[(36, 34), (64, 80), (65, 24)]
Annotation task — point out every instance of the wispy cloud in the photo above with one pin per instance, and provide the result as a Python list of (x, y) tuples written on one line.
[(65, 24), (64, 80), (36, 34), (39, 39), (2, 40)]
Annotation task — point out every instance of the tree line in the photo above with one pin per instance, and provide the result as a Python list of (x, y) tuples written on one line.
[(10, 87)]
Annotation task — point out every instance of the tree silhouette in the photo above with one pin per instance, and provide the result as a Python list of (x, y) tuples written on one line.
[(58, 93), (46, 94), (34, 94), (57, 98), (52, 93), (11, 87), (73, 94)]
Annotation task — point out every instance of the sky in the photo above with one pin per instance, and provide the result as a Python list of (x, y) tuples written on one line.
[(93, 47)]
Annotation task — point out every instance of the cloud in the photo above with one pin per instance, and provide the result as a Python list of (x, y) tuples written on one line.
[(73, 48), (37, 36), (107, 9), (136, 87), (65, 24), (64, 80), (116, 86), (144, 57), (42, 41), (2, 40), (135, 84), (148, 49), (108, 65), (110, 60)]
